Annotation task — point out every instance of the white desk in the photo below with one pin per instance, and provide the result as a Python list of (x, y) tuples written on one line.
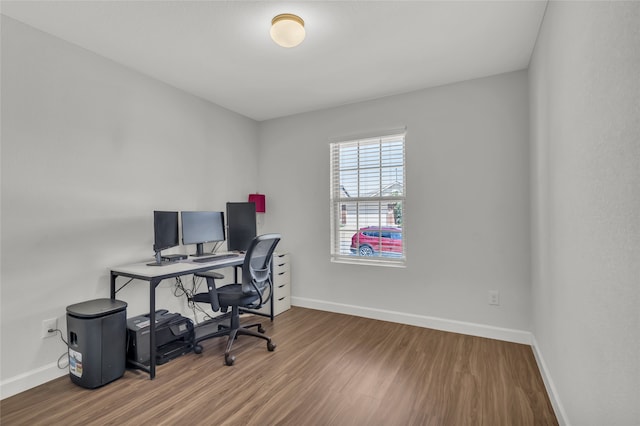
[(154, 275)]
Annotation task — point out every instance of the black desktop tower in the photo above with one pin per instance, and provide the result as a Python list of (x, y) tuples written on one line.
[(97, 333)]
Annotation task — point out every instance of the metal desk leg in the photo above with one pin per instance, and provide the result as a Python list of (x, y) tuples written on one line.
[(113, 286), (271, 302), (152, 327)]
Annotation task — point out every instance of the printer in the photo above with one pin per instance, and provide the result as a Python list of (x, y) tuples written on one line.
[(174, 337)]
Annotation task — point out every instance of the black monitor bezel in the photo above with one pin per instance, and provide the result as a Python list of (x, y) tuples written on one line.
[(241, 225), (165, 223)]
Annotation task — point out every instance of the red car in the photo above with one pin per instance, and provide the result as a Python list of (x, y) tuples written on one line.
[(377, 241)]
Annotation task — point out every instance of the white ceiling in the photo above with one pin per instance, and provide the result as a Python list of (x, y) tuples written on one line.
[(354, 50)]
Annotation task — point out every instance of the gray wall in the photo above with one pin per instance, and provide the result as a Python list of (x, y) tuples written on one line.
[(89, 150), (467, 208), (585, 127)]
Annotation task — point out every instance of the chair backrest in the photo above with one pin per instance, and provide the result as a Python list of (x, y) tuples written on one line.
[(256, 270)]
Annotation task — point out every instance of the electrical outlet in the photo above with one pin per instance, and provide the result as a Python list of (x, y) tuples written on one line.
[(49, 324), (494, 297)]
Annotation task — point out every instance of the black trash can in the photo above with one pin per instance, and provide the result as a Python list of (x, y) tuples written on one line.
[(97, 333)]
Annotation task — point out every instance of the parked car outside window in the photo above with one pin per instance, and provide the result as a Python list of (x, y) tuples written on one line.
[(377, 241)]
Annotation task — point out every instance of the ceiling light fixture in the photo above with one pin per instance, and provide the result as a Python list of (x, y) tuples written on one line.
[(287, 30)]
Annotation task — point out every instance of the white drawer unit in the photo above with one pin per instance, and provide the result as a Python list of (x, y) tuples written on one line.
[(281, 276)]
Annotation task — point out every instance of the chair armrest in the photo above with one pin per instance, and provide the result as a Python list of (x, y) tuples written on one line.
[(211, 276)]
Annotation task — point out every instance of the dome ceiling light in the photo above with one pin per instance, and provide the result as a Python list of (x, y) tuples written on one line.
[(287, 30)]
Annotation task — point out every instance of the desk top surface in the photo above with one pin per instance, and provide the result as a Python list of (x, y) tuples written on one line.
[(180, 267)]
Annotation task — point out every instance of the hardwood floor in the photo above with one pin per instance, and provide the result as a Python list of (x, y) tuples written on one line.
[(328, 369)]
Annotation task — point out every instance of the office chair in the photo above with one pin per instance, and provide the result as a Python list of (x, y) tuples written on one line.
[(254, 291)]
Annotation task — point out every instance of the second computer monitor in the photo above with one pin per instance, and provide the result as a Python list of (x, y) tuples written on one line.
[(202, 227), (241, 223), (165, 230), (165, 233)]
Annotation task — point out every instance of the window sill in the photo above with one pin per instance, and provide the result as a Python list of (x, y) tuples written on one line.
[(377, 261)]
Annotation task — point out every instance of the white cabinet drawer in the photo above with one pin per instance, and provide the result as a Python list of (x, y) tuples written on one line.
[(281, 304), (280, 264), (281, 289), (281, 277), (281, 257)]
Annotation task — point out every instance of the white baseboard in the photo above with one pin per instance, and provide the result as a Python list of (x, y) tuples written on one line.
[(561, 415), (30, 379), (472, 329)]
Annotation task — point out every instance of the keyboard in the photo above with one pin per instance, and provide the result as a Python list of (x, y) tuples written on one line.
[(215, 257)]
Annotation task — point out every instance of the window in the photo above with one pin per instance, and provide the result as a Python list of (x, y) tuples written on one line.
[(367, 200)]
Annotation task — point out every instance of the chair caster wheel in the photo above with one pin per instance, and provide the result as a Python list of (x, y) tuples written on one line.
[(197, 349), (271, 347), (229, 359), (261, 329)]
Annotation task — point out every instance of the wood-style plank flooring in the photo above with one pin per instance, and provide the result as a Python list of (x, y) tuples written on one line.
[(327, 369)]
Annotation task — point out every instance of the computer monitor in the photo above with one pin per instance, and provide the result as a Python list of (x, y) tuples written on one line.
[(202, 227), (241, 225), (165, 233)]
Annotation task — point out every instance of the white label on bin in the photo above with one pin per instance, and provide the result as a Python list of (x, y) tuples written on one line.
[(75, 363)]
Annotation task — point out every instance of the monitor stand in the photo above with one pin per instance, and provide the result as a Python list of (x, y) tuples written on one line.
[(159, 261), (200, 251)]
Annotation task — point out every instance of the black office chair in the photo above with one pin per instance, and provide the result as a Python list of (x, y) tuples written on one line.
[(255, 290)]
